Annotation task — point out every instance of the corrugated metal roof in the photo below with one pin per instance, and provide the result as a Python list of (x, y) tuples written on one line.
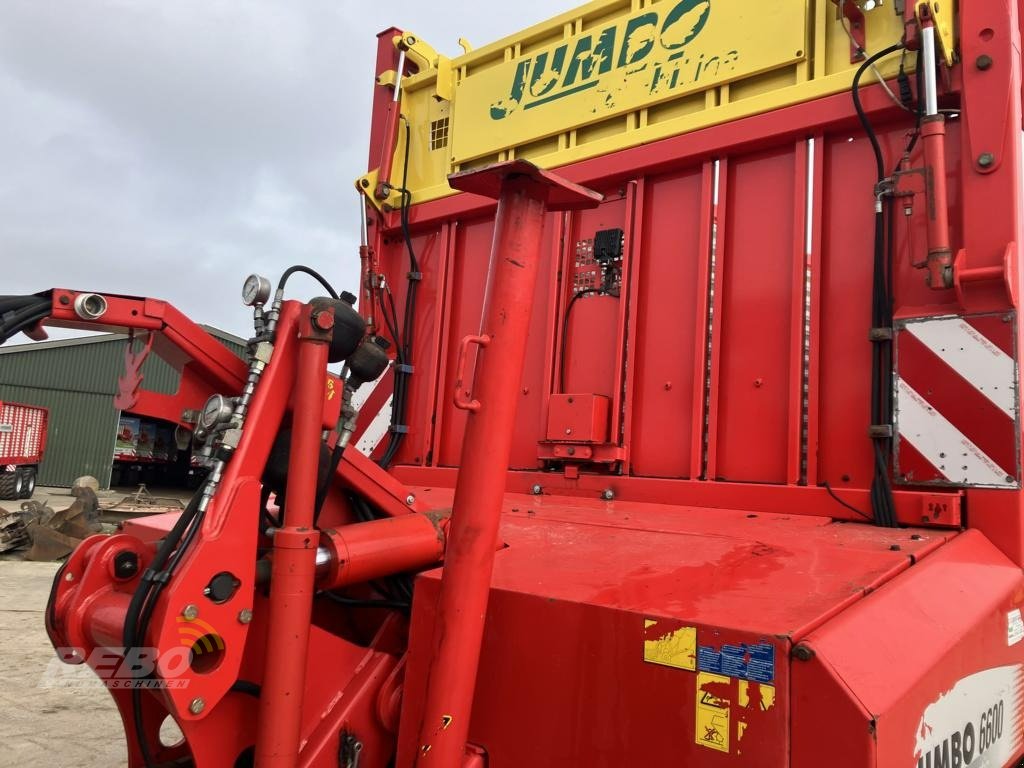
[(90, 364), (235, 343)]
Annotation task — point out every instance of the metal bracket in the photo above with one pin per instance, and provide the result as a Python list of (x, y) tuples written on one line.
[(941, 16), (1002, 279), (880, 334), (426, 59)]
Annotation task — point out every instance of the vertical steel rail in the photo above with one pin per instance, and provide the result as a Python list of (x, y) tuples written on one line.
[(294, 561), (523, 197), (702, 320), (795, 402)]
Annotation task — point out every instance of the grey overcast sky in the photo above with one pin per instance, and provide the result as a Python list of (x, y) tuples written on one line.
[(169, 148)]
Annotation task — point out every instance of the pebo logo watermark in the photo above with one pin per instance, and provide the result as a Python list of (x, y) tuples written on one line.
[(200, 648), (117, 668)]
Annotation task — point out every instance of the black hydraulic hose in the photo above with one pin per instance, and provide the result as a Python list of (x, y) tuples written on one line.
[(565, 332), (152, 573), (403, 358), (23, 319), (325, 482), (247, 687), (354, 602), (143, 602), (13, 303), (307, 271), (882, 502), (861, 114)]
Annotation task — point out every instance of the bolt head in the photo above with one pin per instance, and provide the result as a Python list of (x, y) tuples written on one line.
[(986, 160), (608, 494), (410, 499), (983, 62), (803, 652), (244, 616), (537, 490), (190, 612), (196, 706), (322, 321)]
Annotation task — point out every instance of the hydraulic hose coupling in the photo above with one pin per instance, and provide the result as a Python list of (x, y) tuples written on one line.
[(90, 306)]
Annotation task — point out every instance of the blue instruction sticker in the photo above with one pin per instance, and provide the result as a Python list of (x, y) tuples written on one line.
[(709, 660), (755, 663), (734, 661), (761, 666)]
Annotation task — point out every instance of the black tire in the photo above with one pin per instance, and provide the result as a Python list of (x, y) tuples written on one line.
[(28, 475), (10, 485)]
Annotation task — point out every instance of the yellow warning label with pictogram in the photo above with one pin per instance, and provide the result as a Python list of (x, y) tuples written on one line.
[(713, 711), (670, 646)]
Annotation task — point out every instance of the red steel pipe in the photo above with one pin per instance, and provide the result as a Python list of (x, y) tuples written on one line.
[(366, 551), (523, 193), (940, 254), (294, 561)]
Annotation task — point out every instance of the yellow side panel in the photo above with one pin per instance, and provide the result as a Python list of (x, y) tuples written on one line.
[(672, 48), (614, 74)]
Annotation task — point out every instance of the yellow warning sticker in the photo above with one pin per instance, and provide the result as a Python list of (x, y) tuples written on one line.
[(756, 696), (752, 696), (713, 706), (670, 644)]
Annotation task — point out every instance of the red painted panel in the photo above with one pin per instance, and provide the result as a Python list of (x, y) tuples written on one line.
[(586, 576), (469, 273), (844, 450), (757, 250), (945, 619), (537, 372), (669, 331), (589, 364)]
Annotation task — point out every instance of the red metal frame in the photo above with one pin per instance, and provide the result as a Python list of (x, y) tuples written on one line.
[(589, 594)]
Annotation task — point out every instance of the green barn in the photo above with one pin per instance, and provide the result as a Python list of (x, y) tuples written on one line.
[(77, 380)]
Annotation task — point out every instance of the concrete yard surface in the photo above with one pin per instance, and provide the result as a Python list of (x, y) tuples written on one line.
[(54, 715)]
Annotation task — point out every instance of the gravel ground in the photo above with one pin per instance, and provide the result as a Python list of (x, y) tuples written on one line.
[(44, 723), (53, 715)]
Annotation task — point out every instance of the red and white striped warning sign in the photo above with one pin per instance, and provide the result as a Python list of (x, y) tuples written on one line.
[(374, 403), (957, 409)]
